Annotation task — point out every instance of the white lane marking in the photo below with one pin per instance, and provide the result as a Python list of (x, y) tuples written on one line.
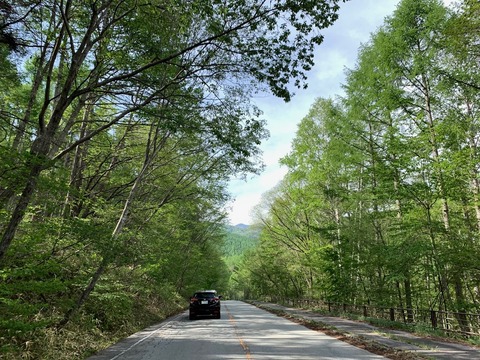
[(143, 339)]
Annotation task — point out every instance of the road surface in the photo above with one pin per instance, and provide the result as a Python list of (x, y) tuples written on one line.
[(244, 332)]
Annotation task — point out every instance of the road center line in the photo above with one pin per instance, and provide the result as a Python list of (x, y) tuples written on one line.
[(242, 342)]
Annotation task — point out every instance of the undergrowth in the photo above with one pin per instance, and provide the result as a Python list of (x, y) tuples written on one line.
[(93, 329), (418, 329)]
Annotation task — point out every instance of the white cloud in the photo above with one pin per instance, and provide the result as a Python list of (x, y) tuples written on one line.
[(246, 196)]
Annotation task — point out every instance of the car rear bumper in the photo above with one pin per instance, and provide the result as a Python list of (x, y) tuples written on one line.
[(205, 310)]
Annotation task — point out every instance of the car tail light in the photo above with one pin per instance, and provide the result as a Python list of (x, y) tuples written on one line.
[(193, 300)]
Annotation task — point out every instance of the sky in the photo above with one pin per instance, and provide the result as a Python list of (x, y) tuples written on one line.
[(358, 19)]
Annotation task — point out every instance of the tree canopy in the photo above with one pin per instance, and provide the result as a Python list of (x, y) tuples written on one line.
[(380, 203)]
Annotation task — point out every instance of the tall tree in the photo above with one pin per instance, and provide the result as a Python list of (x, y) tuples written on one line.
[(86, 53), (400, 188)]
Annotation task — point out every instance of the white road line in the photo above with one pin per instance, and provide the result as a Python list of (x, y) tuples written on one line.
[(141, 340)]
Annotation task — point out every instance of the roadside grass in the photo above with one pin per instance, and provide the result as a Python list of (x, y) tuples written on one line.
[(416, 329), (86, 334)]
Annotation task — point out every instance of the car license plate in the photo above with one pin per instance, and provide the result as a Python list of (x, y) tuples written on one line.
[(204, 302)]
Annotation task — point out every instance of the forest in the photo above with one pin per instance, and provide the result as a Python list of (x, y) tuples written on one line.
[(381, 202), (121, 123)]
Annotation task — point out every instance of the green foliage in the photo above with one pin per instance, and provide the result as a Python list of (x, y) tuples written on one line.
[(115, 152), (239, 239), (380, 203)]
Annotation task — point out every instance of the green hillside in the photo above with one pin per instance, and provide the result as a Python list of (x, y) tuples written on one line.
[(239, 238)]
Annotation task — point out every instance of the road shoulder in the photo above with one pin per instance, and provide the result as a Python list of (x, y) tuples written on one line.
[(393, 344)]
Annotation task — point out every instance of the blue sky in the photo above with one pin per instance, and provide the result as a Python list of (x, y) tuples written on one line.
[(358, 19)]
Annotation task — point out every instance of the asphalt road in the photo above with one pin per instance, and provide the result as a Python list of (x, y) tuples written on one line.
[(243, 332)]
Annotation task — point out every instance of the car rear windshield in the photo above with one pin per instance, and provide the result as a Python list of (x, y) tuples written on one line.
[(205, 295)]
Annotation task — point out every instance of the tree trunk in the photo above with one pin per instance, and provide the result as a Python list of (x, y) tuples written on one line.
[(47, 131), (85, 293), (460, 310), (150, 153), (70, 208), (408, 298), (39, 150)]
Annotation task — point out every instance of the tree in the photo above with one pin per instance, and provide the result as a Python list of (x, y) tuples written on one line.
[(387, 174), (85, 58)]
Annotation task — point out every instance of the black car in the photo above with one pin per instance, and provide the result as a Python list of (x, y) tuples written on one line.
[(205, 302)]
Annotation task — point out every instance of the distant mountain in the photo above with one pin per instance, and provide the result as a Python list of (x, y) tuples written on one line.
[(240, 238)]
